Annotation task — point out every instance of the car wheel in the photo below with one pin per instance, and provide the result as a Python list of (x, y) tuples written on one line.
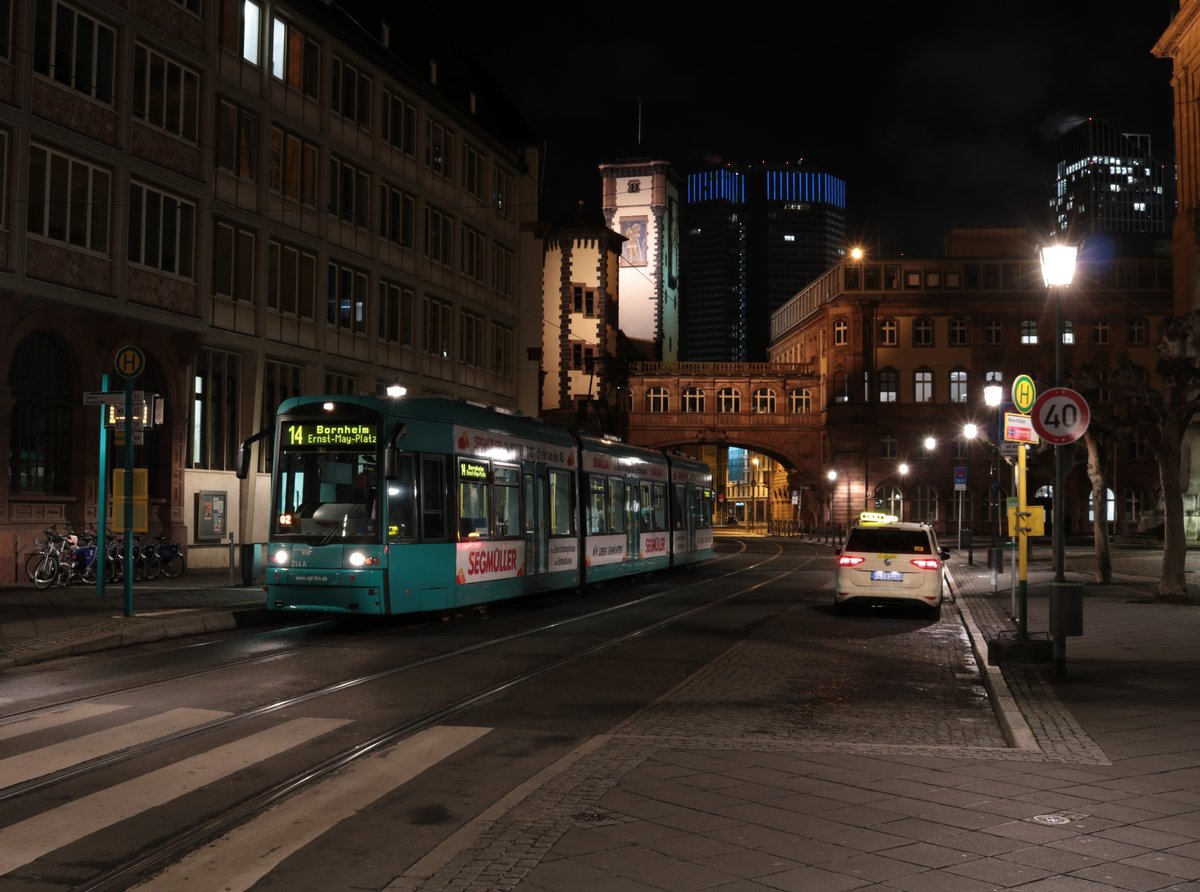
[(934, 613), (840, 608)]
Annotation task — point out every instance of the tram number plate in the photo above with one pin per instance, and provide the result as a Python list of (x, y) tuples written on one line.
[(886, 576)]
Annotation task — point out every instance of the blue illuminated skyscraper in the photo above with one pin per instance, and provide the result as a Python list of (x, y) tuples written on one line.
[(754, 235)]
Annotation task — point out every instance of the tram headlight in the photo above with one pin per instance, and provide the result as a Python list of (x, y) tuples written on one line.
[(280, 557), (357, 559)]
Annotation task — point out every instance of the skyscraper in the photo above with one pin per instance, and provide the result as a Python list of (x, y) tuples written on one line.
[(754, 236), (1106, 182)]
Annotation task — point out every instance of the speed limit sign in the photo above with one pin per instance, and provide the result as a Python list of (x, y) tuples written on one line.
[(1060, 416)]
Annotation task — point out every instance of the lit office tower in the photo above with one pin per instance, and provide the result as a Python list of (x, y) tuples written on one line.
[(754, 235), (1106, 182)]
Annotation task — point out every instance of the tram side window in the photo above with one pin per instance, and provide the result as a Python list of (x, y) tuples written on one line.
[(433, 498), (402, 502), (473, 509), (701, 516), (562, 503), (507, 503), (658, 506), (645, 512), (596, 512), (678, 504), (616, 505), (706, 509)]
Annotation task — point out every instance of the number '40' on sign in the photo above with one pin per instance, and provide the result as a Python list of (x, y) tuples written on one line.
[(1060, 416)]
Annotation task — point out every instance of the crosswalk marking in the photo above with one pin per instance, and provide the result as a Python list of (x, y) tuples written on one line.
[(242, 857), (65, 716), (32, 838), (48, 759)]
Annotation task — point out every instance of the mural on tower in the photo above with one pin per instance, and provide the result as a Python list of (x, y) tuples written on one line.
[(634, 251)]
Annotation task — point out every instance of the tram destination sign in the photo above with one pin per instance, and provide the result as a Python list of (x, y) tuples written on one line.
[(301, 435)]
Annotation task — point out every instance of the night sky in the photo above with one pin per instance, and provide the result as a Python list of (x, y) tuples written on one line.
[(935, 120)]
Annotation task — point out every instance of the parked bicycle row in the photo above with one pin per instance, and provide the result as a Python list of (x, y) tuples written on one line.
[(66, 558)]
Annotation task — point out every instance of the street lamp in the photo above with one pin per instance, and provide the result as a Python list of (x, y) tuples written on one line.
[(1058, 269), (831, 476), (970, 432), (993, 395)]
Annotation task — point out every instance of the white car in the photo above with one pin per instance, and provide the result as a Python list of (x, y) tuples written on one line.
[(891, 562)]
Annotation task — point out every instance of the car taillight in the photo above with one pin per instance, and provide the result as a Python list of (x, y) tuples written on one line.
[(850, 560), (925, 563)]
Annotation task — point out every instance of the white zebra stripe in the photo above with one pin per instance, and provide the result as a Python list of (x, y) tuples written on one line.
[(54, 719)]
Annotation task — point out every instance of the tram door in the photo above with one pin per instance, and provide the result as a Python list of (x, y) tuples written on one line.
[(632, 527), (536, 504)]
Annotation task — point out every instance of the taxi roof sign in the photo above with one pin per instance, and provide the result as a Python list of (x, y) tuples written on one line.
[(875, 518)]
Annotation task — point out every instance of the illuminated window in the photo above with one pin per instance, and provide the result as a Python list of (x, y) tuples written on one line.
[(658, 401), (1029, 331), (888, 333), (923, 386), (841, 333)]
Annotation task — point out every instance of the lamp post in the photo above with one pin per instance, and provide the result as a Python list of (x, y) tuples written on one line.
[(1058, 269), (993, 396), (831, 476)]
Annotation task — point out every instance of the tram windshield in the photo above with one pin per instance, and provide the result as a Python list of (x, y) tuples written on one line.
[(326, 490)]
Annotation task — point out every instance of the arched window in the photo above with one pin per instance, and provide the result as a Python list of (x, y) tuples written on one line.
[(922, 386), (960, 499), (1110, 507), (800, 401), (658, 401), (890, 500), (729, 401), (764, 401), (958, 385), (889, 385), (925, 505), (44, 393), (693, 400)]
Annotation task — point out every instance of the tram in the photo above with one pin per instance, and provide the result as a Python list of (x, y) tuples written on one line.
[(414, 504)]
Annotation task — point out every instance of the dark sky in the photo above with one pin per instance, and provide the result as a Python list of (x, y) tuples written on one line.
[(935, 119)]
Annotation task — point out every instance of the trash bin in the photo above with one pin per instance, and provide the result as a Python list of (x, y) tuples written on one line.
[(251, 562), (996, 558), (1066, 609)]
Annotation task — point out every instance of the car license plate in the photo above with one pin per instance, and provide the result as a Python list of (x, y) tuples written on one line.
[(886, 575)]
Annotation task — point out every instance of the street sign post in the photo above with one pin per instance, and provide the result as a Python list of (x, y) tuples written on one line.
[(1060, 416)]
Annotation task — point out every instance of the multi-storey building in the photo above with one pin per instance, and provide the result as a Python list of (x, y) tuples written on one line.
[(265, 200), (754, 236), (1106, 182), (640, 201), (903, 349)]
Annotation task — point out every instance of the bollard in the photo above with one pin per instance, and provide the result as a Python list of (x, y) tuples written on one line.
[(232, 562)]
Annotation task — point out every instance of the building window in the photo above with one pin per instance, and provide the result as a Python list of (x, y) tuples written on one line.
[(658, 401), (502, 270), (241, 21), (800, 401), (74, 49), (922, 332), (959, 387), (1136, 332), (399, 123), (890, 500), (502, 350), (1136, 505), (350, 93), (439, 149), (291, 279), (888, 333), (349, 187), (280, 381), (1100, 333), (692, 399), (993, 377), (993, 332), (165, 93), (841, 333), (1103, 393), (472, 254), (729, 401), (923, 386), (397, 215), (435, 330), (214, 435), (439, 236), (889, 385), (293, 167), (1029, 331), (161, 230), (233, 262), (346, 303), (583, 300), (470, 339), (958, 332), (474, 172), (925, 505), (841, 387), (963, 500), (888, 446), (764, 401), (1068, 333), (237, 140), (295, 58), (396, 304), (582, 356), (68, 199), (342, 385), (502, 190), (41, 448)]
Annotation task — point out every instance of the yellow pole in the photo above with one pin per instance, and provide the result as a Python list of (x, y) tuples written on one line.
[(1023, 543)]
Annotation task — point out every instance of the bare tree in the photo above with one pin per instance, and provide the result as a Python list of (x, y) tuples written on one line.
[(1098, 440)]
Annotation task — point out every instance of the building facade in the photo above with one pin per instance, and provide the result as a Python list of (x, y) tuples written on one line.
[(640, 201), (754, 236), (265, 200)]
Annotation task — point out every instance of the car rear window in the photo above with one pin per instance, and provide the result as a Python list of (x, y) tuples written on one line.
[(893, 541)]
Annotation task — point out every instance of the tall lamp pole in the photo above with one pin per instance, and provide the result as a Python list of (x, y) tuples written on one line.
[(993, 396), (1058, 269)]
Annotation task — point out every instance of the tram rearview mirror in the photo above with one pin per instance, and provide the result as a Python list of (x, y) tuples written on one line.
[(242, 461)]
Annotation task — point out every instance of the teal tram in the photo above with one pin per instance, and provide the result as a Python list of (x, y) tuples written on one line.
[(385, 506)]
